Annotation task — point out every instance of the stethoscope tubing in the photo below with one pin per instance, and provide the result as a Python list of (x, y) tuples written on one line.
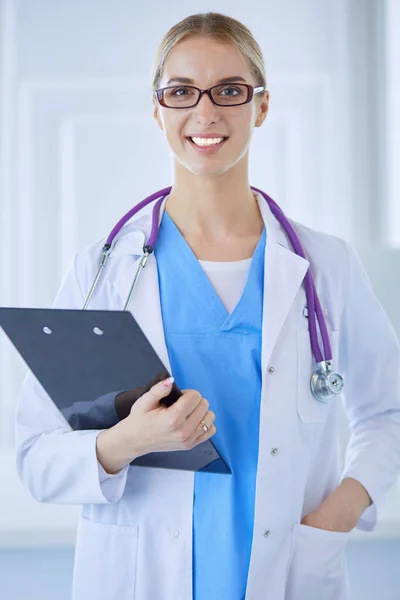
[(313, 302), (324, 384)]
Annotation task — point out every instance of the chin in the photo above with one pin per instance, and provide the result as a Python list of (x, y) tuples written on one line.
[(205, 170)]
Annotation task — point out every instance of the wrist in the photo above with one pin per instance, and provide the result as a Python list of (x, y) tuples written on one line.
[(113, 450), (357, 495), (342, 509)]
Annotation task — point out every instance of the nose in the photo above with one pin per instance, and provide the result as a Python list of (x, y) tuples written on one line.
[(206, 110)]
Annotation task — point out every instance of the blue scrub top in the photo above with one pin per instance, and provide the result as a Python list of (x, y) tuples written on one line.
[(218, 354)]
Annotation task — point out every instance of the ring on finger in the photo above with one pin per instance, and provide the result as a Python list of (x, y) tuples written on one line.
[(205, 426)]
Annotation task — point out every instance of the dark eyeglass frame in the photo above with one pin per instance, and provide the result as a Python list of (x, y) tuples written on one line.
[(159, 94)]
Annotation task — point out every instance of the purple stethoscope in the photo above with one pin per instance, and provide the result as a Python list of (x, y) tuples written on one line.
[(325, 384)]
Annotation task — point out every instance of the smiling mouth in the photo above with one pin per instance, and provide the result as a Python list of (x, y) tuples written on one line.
[(207, 142)]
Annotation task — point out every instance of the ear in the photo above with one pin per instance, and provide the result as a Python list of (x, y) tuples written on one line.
[(156, 113), (262, 110)]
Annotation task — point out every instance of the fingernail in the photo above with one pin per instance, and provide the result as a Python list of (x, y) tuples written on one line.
[(167, 383)]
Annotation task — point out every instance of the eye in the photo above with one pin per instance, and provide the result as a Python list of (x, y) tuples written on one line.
[(180, 91), (231, 91)]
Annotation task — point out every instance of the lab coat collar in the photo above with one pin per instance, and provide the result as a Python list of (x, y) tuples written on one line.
[(284, 272)]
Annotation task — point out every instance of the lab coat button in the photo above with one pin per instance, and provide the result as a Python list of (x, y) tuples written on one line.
[(175, 533), (267, 533), (274, 451), (271, 370)]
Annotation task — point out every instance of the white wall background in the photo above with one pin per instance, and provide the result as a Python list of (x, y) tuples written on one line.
[(78, 147)]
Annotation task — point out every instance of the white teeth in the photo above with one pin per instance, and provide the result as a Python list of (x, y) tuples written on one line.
[(206, 141)]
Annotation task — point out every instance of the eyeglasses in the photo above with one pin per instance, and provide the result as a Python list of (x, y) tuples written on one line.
[(226, 94)]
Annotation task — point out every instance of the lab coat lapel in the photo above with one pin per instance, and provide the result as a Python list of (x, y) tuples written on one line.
[(145, 304), (146, 308), (284, 272)]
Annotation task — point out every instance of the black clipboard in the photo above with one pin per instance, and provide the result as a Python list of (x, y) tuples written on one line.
[(80, 356)]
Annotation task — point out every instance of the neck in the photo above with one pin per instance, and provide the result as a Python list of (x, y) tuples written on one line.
[(214, 208)]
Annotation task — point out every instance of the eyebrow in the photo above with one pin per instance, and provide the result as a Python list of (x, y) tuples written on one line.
[(191, 81)]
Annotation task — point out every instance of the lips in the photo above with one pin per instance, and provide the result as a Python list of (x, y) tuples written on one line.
[(213, 136), (207, 148), (207, 135)]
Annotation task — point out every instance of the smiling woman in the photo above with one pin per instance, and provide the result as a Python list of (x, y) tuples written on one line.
[(230, 309), (214, 56)]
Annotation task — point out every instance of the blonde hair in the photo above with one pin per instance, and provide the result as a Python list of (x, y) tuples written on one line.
[(219, 27)]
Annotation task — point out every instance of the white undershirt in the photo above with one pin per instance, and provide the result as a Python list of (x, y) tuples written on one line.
[(228, 279)]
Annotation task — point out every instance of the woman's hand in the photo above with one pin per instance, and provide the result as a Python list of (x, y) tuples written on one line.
[(154, 427), (342, 509)]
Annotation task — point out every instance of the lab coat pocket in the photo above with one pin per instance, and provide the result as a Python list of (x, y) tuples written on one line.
[(317, 570), (105, 561), (311, 410)]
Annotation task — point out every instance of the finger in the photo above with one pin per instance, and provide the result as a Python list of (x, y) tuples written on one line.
[(151, 399), (185, 405), (201, 413), (204, 436), (203, 405), (196, 426)]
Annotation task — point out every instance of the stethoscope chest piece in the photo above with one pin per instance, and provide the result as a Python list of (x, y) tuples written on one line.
[(325, 384)]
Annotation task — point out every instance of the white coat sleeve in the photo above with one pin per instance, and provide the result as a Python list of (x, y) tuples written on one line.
[(54, 462), (371, 363)]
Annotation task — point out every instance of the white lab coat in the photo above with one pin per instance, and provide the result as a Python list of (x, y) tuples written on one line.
[(134, 539)]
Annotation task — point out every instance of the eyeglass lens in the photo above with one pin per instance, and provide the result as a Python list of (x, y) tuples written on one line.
[(224, 95)]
